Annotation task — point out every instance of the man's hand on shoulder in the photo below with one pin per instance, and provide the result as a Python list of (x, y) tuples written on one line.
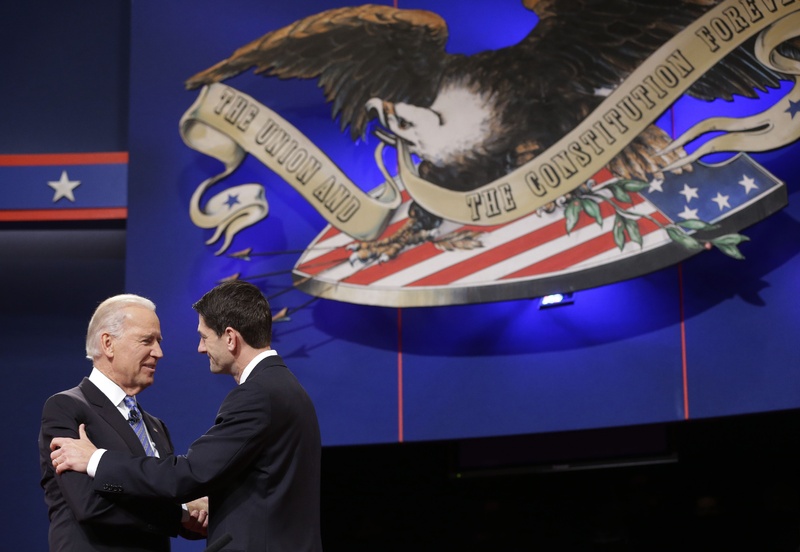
[(72, 454)]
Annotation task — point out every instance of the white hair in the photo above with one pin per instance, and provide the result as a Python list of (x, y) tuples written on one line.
[(109, 317)]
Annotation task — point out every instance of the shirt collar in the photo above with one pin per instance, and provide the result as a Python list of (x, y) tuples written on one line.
[(252, 364), (110, 389)]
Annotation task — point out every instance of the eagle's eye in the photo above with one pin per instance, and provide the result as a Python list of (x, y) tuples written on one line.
[(403, 124)]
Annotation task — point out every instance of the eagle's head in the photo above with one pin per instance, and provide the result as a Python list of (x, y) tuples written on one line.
[(458, 126)]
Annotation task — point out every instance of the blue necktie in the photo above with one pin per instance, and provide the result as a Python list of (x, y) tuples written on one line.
[(135, 419)]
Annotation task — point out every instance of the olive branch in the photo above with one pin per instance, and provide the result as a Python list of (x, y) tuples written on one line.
[(626, 228)]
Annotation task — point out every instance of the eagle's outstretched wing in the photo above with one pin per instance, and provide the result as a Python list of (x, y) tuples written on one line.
[(356, 53), (581, 50), (589, 45)]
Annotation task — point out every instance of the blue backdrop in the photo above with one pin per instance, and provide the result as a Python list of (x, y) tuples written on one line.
[(705, 338), (614, 357)]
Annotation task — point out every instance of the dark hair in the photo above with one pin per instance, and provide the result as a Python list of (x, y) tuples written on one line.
[(241, 306)]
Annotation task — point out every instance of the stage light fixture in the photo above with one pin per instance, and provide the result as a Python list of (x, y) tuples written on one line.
[(556, 300)]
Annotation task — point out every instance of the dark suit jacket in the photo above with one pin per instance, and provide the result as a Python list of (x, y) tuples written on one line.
[(80, 519), (259, 465)]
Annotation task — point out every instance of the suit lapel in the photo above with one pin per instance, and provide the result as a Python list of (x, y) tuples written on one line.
[(108, 411), (157, 434)]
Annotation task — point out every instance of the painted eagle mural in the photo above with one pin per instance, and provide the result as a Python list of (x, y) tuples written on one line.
[(470, 119)]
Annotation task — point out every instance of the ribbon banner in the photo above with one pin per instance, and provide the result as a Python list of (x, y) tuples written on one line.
[(226, 124)]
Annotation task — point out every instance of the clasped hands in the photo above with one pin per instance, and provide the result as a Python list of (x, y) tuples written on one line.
[(197, 519)]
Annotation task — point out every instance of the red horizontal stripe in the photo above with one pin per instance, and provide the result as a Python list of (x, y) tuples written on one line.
[(603, 175), (339, 255), (31, 215), (493, 256), (405, 259), (325, 262), (331, 232), (41, 159), (512, 248), (581, 252), (381, 270)]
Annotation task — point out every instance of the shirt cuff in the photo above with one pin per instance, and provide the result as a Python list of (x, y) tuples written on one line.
[(94, 460)]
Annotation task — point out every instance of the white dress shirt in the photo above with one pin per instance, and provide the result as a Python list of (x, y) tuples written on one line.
[(252, 364), (116, 395)]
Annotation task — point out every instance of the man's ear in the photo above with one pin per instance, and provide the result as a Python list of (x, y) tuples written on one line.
[(231, 338), (107, 344)]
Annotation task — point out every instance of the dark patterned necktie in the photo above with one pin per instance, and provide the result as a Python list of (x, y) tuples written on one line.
[(135, 419)]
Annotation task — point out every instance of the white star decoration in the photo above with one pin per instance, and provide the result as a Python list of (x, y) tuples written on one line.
[(688, 192), (655, 185), (748, 183), (721, 201), (64, 187), (687, 213)]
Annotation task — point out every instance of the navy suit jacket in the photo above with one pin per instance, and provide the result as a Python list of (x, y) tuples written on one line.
[(82, 520), (259, 465)]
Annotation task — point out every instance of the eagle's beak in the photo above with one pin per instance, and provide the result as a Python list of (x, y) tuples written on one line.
[(385, 136), (377, 105), (382, 109)]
